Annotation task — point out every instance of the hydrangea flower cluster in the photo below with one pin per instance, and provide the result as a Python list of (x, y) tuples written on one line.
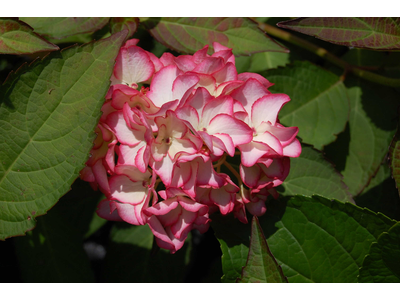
[(177, 133)]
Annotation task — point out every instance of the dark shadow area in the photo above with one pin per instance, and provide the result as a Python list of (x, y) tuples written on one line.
[(148, 43), (205, 259), (383, 198), (275, 210), (96, 249), (79, 205), (198, 261), (338, 151), (125, 262), (233, 232), (9, 264), (380, 103)]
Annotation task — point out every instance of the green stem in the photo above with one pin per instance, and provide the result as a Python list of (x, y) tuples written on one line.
[(234, 172), (321, 52)]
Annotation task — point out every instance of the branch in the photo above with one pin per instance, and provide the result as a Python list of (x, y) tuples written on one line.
[(321, 52)]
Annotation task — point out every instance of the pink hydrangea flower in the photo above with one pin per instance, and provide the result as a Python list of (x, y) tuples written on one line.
[(172, 219), (209, 135)]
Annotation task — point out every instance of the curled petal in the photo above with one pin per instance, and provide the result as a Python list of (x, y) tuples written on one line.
[(185, 63), (162, 208), (161, 85), (167, 59), (184, 176), (190, 115), (132, 214), (137, 156), (239, 132), (270, 140), (210, 65), (132, 172), (214, 107), (100, 174), (124, 134), (206, 81), (293, 149), (250, 175), (164, 169), (86, 174), (164, 238), (126, 191), (200, 55), (156, 61), (106, 209), (226, 74), (245, 76), (184, 224), (252, 151), (256, 208), (183, 86), (132, 65), (285, 135), (206, 175), (267, 108), (223, 199), (224, 142), (193, 206), (202, 223), (249, 92)]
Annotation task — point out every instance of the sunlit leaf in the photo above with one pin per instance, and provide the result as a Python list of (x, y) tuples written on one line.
[(382, 264), (311, 174), (48, 113), (18, 38), (319, 104), (58, 28), (372, 33), (261, 265), (312, 239), (188, 35)]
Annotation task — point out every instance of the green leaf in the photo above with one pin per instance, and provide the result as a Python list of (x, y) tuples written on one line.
[(79, 206), (59, 28), (313, 239), (53, 251), (394, 156), (262, 61), (129, 257), (261, 265), (234, 239), (381, 194), (188, 35), (382, 264), (120, 23), (311, 174), (47, 118), (18, 38), (359, 152), (370, 33), (319, 104)]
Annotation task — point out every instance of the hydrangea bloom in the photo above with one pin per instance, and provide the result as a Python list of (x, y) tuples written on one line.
[(186, 130)]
